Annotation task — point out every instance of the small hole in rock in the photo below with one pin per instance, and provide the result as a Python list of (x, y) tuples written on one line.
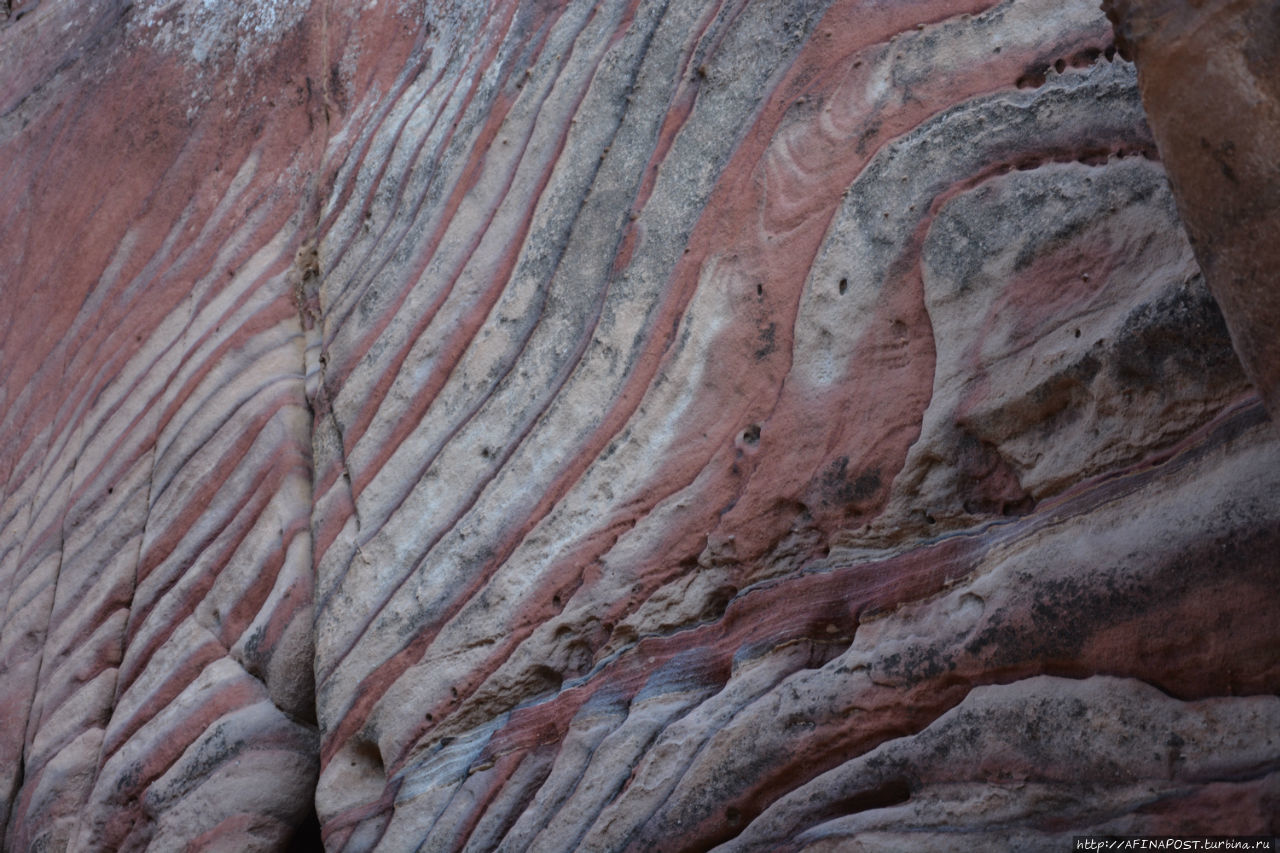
[(1086, 57), (1077, 333), (844, 285), (929, 519), (759, 290), (1060, 66), (1033, 77)]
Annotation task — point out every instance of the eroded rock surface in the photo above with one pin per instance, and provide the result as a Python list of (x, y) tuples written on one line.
[(1209, 82), (618, 425)]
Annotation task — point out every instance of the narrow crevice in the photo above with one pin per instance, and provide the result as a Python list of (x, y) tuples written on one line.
[(306, 836), (31, 725), (306, 279), (894, 792)]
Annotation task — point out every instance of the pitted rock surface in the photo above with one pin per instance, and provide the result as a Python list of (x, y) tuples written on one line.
[(616, 425)]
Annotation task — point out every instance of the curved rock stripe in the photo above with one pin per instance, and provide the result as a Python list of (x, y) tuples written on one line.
[(619, 425)]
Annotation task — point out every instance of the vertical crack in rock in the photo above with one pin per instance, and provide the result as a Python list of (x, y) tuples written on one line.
[(39, 633), (78, 838), (31, 719)]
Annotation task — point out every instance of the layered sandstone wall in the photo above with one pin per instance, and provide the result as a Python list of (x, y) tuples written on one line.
[(616, 425)]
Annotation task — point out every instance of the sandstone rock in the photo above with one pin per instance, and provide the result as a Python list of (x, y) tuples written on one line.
[(616, 425), (1208, 78)]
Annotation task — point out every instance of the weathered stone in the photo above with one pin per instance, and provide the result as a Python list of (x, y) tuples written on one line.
[(1209, 82), (622, 425)]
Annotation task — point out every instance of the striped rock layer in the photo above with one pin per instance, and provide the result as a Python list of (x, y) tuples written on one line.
[(615, 425)]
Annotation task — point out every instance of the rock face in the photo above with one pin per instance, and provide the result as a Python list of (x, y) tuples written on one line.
[(1208, 75), (615, 425)]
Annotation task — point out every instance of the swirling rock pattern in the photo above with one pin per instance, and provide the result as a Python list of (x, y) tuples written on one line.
[(618, 425)]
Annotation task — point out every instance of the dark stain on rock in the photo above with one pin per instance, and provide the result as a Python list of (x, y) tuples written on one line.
[(1222, 155), (1180, 336), (768, 345), (839, 486)]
